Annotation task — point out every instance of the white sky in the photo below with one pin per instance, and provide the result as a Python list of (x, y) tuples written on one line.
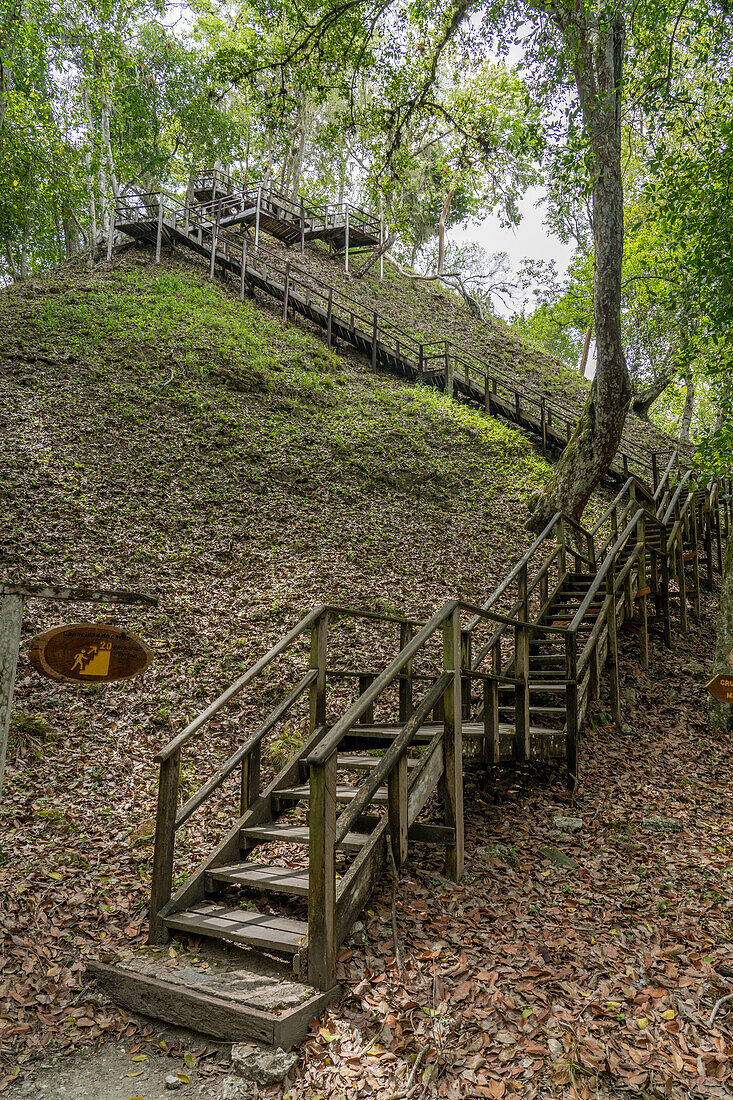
[(529, 239)]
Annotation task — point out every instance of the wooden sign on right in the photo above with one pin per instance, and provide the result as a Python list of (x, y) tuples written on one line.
[(721, 688)]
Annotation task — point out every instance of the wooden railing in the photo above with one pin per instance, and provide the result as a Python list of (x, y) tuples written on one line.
[(313, 217), (343, 317), (247, 756), (332, 907)]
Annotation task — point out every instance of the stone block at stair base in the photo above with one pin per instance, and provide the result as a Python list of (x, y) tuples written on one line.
[(262, 1065)]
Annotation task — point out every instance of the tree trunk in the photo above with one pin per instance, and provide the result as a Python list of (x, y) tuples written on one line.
[(10, 261), (107, 143), (688, 409), (643, 401), (722, 714), (586, 350), (384, 247), (596, 46), (441, 229)]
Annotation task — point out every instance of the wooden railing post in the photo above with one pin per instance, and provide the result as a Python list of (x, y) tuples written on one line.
[(655, 471), (365, 682), (664, 598), (452, 779), (466, 657), (302, 227), (250, 786), (329, 319), (521, 673), (562, 561), (613, 645), (679, 550), (571, 707), (448, 371), (322, 875), (165, 839), (641, 592), (318, 659), (258, 211), (421, 363), (159, 233), (695, 538), (543, 425), (375, 329), (406, 707), (491, 752), (286, 291), (397, 810)]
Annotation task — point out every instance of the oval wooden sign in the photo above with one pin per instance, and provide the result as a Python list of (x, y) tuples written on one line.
[(89, 653)]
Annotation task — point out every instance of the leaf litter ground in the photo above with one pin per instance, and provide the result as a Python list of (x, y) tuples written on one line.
[(140, 456)]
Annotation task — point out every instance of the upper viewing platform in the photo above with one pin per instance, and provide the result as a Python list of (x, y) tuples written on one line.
[(232, 202)]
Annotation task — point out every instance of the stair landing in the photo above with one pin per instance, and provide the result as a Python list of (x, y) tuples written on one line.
[(221, 991)]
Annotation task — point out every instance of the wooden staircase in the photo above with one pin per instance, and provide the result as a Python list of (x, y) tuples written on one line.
[(381, 765)]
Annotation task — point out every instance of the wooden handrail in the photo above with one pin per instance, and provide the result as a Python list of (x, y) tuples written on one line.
[(659, 492), (676, 496), (397, 749), (614, 503), (238, 685), (237, 757), (326, 748), (609, 561), (511, 576)]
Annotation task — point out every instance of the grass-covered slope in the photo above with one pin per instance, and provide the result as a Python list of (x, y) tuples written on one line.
[(432, 312), (157, 434)]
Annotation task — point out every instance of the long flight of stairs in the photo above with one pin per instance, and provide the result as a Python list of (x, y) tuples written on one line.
[(302, 856)]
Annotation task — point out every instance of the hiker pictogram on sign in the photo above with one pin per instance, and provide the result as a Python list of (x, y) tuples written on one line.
[(93, 661)]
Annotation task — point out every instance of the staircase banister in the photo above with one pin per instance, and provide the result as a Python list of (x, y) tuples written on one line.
[(659, 492), (676, 496), (399, 747), (379, 616), (601, 574), (507, 620), (244, 750), (616, 500), (529, 554), (325, 749), (238, 685)]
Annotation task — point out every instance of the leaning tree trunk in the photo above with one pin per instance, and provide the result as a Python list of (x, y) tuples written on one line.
[(586, 350), (642, 403), (597, 48)]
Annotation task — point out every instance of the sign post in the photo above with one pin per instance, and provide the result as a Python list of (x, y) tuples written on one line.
[(117, 654)]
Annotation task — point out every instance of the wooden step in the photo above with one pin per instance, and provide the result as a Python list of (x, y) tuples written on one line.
[(261, 930), (272, 877), (343, 794), (296, 834), (533, 685), (359, 763), (535, 710)]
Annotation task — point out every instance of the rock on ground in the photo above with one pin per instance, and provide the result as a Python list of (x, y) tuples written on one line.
[(261, 1064)]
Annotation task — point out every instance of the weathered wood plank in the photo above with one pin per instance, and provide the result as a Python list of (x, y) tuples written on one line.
[(322, 875)]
